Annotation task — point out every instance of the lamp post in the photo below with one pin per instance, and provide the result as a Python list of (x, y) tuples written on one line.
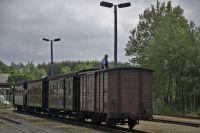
[(109, 5), (57, 39)]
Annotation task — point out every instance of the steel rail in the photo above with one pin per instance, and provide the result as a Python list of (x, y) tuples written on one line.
[(87, 124), (22, 123), (19, 129), (180, 116)]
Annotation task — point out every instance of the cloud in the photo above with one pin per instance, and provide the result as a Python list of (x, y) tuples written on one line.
[(85, 28)]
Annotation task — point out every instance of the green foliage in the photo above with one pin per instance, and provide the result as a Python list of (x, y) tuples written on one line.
[(65, 69), (3, 67), (4, 106), (40, 73), (166, 42), (22, 72)]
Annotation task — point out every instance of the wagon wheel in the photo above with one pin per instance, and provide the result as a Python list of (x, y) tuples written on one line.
[(111, 123), (147, 115), (96, 119), (131, 123), (81, 118)]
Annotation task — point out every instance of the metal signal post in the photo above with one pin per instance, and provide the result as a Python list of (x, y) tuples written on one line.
[(57, 39), (109, 5)]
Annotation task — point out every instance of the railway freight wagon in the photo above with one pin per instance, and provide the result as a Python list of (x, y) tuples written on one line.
[(63, 94), (116, 96), (19, 96), (37, 93)]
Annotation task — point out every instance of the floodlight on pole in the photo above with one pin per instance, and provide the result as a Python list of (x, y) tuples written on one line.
[(106, 4), (45, 39), (109, 5), (57, 39), (123, 5)]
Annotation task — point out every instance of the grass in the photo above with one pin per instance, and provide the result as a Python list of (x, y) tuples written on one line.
[(162, 108), (4, 106), (2, 125)]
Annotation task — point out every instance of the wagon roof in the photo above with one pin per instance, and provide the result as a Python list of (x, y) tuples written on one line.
[(71, 74), (19, 83), (62, 76), (114, 69), (37, 80)]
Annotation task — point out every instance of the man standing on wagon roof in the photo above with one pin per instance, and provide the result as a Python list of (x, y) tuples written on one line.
[(104, 63)]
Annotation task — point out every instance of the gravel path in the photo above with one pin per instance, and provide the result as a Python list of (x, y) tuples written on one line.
[(158, 127), (60, 127), (33, 124)]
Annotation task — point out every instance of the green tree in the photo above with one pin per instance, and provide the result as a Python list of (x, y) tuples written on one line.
[(40, 73), (65, 69), (3, 67), (166, 42), (20, 72)]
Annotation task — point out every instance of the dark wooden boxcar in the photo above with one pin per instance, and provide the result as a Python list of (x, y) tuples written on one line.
[(116, 96), (37, 96), (64, 93), (20, 97)]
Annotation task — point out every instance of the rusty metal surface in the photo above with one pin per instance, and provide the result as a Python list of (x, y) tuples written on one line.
[(130, 91), (101, 92), (34, 94), (69, 93), (18, 97), (87, 92), (117, 91), (56, 95)]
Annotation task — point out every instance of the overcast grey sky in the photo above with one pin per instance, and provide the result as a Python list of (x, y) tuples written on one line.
[(85, 28)]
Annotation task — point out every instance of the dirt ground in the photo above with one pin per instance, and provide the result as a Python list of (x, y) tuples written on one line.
[(159, 127), (54, 126), (143, 127)]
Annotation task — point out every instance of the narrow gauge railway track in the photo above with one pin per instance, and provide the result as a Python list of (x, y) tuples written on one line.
[(14, 127), (172, 119), (180, 116), (87, 124), (103, 127), (177, 122), (22, 126)]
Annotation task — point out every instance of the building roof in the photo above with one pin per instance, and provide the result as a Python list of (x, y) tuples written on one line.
[(4, 81), (4, 78)]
